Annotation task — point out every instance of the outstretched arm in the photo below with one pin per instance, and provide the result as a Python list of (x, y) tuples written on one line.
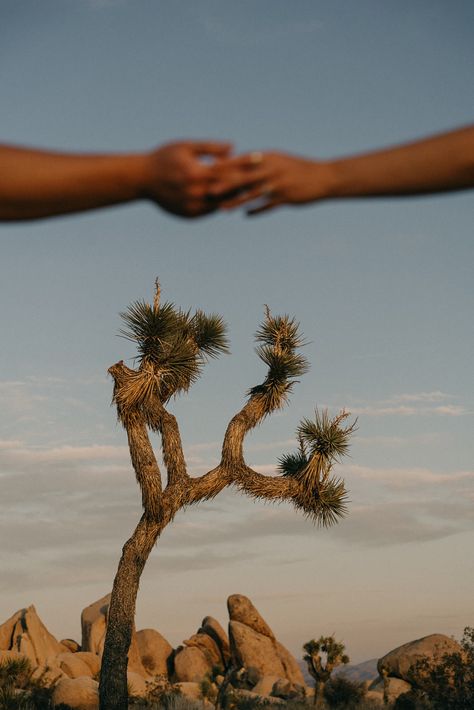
[(436, 164), (35, 184)]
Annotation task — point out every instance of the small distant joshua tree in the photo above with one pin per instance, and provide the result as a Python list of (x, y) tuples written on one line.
[(173, 346), (322, 657)]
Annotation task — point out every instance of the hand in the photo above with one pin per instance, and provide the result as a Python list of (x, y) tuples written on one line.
[(179, 180), (273, 179)]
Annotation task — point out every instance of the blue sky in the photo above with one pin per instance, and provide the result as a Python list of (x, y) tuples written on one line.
[(383, 291)]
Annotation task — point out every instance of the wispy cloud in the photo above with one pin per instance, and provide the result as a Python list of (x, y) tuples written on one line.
[(395, 523), (436, 396), (395, 442), (449, 410), (402, 478), (434, 403), (226, 32)]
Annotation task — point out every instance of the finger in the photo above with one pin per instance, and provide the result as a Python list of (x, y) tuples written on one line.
[(213, 148), (242, 199), (245, 161), (270, 205), (238, 181)]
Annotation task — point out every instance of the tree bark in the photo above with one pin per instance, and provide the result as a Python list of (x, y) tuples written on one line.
[(319, 694), (113, 677)]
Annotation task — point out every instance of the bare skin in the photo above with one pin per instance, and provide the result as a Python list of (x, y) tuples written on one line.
[(440, 163), (194, 178), (35, 184)]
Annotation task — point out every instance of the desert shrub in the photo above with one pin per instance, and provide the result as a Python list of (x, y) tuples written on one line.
[(15, 672), (19, 690), (296, 704), (343, 693), (449, 683), (168, 701), (249, 703), (370, 704), (414, 700)]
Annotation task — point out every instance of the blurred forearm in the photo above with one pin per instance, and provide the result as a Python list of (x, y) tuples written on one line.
[(440, 163), (36, 183)]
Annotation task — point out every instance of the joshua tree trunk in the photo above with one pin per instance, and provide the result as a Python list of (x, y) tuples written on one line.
[(319, 695), (121, 614), (168, 359)]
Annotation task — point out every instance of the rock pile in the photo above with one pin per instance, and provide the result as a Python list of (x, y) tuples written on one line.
[(248, 662)]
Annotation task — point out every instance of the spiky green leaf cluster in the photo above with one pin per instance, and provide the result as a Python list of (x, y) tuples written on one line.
[(279, 331), (325, 504), (172, 345), (325, 436), (322, 443), (292, 464), (210, 334), (279, 338)]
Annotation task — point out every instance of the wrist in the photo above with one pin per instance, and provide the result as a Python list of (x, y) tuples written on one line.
[(141, 174), (332, 182)]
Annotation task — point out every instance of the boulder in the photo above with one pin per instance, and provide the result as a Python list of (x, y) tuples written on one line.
[(191, 664), (94, 625), (265, 684), (6, 632), (90, 659), (77, 693), (135, 664), (242, 610), (208, 646), (292, 670), (212, 628), (136, 685), (73, 666), (249, 648), (189, 689), (48, 674), (391, 688), (155, 651), (283, 688), (25, 632), (397, 663), (71, 645), (395, 687), (253, 643)]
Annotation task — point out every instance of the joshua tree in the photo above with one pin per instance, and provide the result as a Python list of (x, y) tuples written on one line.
[(321, 670), (173, 346)]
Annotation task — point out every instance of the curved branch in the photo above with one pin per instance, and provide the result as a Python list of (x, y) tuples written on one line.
[(234, 470), (146, 468), (264, 487), (162, 421), (239, 426), (207, 486), (232, 463)]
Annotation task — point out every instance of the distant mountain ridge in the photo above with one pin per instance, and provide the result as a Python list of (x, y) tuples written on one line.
[(367, 670)]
